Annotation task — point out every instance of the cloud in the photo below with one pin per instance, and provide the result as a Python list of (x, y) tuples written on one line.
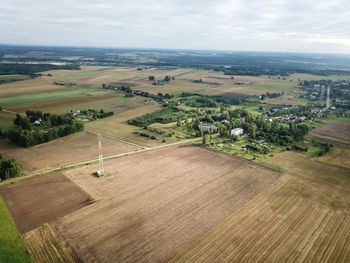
[(265, 25)]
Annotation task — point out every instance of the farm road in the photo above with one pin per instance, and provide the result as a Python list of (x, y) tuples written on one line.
[(71, 166)]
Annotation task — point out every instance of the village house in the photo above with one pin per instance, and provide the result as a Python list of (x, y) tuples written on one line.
[(73, 113), (38, 122), (237, 131)]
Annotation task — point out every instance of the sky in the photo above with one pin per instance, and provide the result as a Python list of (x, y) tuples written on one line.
[(316, 26)]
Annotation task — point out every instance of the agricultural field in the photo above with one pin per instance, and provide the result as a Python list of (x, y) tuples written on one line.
[(78, 147), (58, 197), (339, 156), (302, 217), (6, 119), (44, 246), (150, 206), (183, 203), (42, 94), (337, 130)]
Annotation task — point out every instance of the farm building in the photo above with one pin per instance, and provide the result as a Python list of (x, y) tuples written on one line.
[(73, 113), (37, 122), (237, 131), (207, 127)]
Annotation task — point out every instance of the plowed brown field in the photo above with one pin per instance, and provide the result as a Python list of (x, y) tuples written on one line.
[(190, 204), (154, 204), (302, 217), (279, 225), (336, 130), (42, 200)]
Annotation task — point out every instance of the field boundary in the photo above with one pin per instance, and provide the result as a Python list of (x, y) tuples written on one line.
[(248, 162)]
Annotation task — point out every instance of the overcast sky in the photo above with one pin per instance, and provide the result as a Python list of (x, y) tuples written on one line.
[(259, 25)]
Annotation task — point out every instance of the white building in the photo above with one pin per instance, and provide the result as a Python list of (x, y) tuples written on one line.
[(237, 131)]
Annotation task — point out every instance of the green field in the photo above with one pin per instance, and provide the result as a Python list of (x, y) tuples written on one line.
[(12, 249), (275, 85), (30, 99)]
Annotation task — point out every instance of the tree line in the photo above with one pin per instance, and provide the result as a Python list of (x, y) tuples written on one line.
[(32, 69), (9, 168), (165, 115)]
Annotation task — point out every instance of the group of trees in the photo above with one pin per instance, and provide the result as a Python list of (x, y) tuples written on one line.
[(200, 100), (269, 95), (152, 137), (161, 82), (9, 168), (165, 115), (31, 69), (97, 114), (27, 138), (47, 120), (26, 134), (66, 84)]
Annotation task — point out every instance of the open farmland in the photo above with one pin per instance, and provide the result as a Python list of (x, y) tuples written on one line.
[(279, 225), (185, 203), (44, 246), (67, 150), (338, 155), (58, 197), (154, 204), (336, 130), (6, 119), (151, 205), (108, 101), (41, 93), (302, 217)]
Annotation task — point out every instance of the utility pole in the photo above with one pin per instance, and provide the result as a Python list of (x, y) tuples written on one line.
[(101, 169), (328, 104)]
